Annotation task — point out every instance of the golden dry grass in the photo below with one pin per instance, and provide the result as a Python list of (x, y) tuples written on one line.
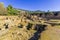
[(15, 33)]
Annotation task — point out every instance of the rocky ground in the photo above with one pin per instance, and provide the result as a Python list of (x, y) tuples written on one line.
[(22, 28)]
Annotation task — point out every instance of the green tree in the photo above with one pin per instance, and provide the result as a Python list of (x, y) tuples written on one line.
[(11, 10)]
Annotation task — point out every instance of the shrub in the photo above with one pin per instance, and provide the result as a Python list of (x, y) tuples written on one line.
[(6, 26), (29, 26), (0, 28), (6, 18)]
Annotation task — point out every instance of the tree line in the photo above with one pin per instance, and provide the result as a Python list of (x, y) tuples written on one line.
[(9, 10)]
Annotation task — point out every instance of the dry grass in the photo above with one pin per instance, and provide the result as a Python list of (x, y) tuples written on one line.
[(15, 33)]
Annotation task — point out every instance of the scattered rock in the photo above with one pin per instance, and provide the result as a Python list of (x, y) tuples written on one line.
[(20, 26)]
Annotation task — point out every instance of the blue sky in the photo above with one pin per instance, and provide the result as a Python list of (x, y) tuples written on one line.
[(53, 5)]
